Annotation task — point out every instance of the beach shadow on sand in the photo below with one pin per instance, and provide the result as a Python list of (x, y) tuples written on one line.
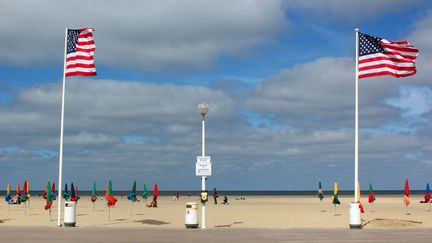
[(379, 222), (3, 220), (152, 222), (227, 225)]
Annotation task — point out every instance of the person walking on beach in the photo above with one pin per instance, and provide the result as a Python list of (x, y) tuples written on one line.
[(215, 195)]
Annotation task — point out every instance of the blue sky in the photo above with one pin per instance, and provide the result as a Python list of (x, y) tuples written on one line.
[(278, 75)]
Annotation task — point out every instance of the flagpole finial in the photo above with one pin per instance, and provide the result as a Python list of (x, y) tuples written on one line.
[(356, 29)]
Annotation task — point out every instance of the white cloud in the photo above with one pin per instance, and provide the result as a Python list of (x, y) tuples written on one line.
[(140, 34), (321, 94), (413, 101)]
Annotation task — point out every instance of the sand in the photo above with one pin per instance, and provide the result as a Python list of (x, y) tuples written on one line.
[(277, 212)]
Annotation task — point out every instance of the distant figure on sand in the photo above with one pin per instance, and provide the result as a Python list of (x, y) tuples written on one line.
[(176, 196), (215, 195), (225, 200)]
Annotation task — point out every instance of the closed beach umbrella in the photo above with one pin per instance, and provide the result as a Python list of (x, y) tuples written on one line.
[(111, 200), (8, 196), (110, 188), (77, 193), (335, 197), (25, 187), (133, 195), (48, 196), (144, 195), (406, 198), (66, 194), (155, 190), (23, 196), (427, 194), (320, 192), (53, 194), (18, 194), (73, 196), (358, 197), (371, 198), (94, 197)]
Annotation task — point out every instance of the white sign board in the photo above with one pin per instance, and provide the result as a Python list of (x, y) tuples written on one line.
[(203, 166)]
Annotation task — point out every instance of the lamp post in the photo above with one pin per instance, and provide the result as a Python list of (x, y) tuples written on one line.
[(203, 109)]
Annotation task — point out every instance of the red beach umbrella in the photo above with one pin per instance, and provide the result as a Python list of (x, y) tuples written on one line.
[(406, 198), (25, 189), (155, 190)]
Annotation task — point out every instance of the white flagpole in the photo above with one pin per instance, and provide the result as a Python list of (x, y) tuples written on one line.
[(59, 200), (356, 119)]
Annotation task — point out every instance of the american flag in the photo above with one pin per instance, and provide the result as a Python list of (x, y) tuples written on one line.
[(378, 56), (80, 53)]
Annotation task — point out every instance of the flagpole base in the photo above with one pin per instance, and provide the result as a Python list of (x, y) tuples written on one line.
[(355, 216)]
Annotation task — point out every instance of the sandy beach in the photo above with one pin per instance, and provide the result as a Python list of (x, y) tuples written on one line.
[(275, 212)]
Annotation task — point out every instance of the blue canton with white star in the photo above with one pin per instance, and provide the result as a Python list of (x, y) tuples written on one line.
[(369, 44), (72, 39)]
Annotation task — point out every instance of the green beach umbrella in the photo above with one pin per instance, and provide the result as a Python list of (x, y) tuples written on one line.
[(134, 187), (144, 195), (110, 188), (48, 196), (320, 192), (94, 197), (371, 198)]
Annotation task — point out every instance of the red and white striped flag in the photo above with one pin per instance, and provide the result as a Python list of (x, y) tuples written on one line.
[(378, 57), (80, 53)]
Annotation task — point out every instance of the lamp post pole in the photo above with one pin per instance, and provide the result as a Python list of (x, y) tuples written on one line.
[(203, 109), (203, 178)]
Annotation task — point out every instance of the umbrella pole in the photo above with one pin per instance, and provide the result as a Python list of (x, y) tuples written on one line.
[(25, 208), (50, 214), (334, 210), (429, 206), (131, 208), (109, 213), (94, 206), (407, 211)]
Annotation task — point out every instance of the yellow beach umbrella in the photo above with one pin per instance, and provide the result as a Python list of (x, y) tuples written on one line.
[(335, 194), (358, 191), (8, 188), (358, 197)]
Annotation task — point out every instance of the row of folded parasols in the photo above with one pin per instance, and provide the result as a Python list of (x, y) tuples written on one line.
[(50, 194), (371, 197)]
